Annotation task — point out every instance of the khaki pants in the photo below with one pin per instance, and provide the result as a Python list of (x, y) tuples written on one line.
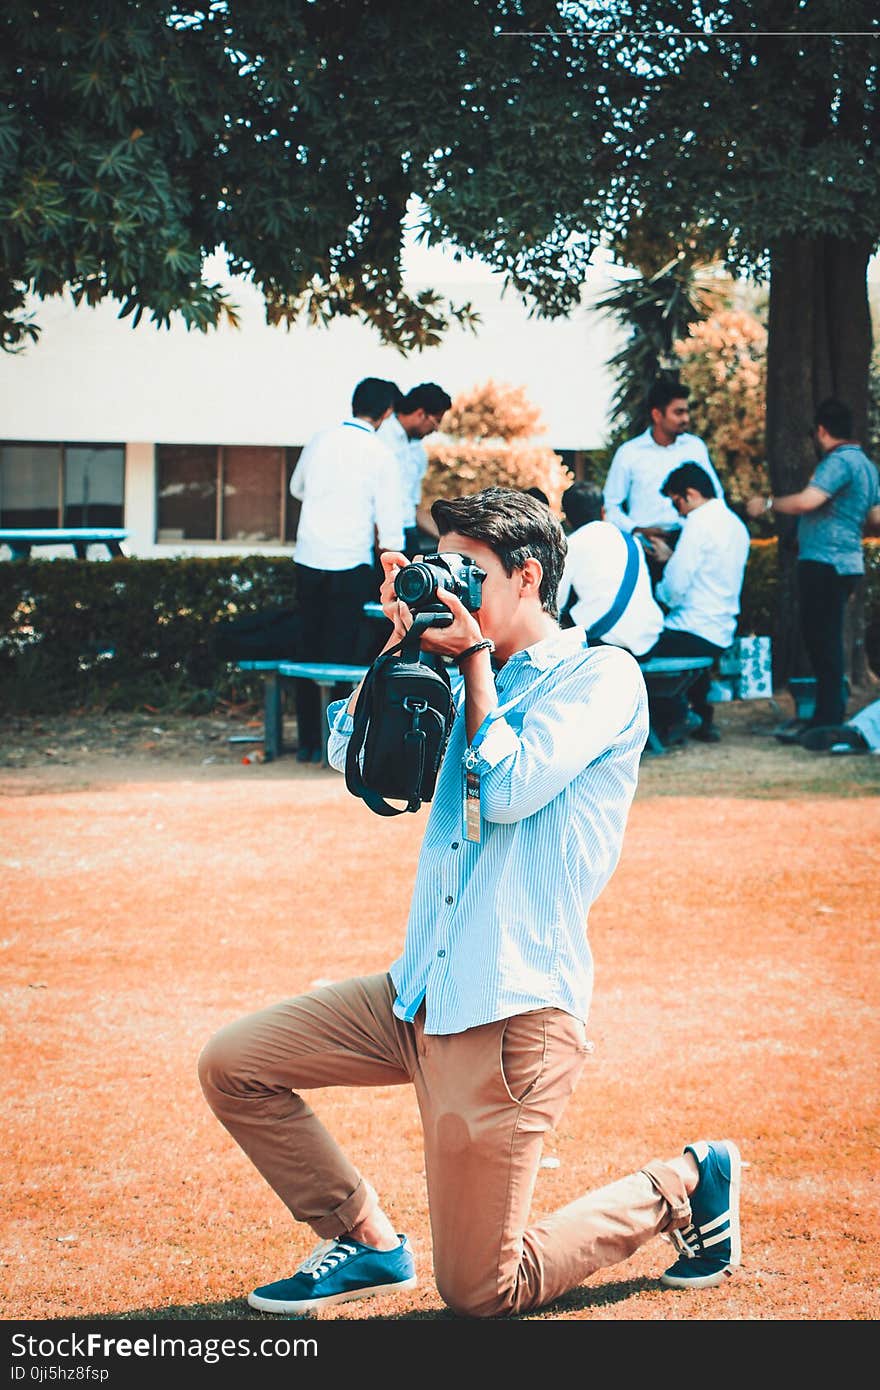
[(487, 1097)]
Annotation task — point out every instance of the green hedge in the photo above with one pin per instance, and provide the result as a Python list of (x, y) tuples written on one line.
[(126, 633), (758, 598)]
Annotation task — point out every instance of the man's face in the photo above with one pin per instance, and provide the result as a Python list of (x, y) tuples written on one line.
[(500, 598), (685, 502), (675, 419), (422, 424)]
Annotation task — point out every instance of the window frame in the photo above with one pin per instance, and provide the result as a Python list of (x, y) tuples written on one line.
[(289, 456), (62, 446)]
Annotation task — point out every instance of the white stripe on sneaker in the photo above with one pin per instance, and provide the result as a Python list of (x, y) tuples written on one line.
[(723, 1219), (717, 1239)]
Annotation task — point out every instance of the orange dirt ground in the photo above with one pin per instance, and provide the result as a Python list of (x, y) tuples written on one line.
[(147, 901)]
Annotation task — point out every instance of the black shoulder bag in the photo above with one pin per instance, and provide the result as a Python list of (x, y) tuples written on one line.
[(402, 721)]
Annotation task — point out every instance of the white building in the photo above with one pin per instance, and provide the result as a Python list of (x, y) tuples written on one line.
[(188, 440)]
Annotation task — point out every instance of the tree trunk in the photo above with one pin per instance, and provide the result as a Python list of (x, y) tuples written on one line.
[(819, 345)]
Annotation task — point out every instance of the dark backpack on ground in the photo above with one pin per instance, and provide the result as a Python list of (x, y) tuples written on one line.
[(402, 722), (275, 634)]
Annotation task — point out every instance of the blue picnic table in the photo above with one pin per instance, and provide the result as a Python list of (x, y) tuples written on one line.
[(21, 539), (325, 674), (664, 676)]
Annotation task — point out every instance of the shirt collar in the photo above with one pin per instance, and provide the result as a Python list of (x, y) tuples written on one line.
[(359, 425), (550, 650), (649, 442), (712, 503)]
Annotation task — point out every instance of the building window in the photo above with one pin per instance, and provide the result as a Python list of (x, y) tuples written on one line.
[(238, 493), (49, 485), (186, 476)]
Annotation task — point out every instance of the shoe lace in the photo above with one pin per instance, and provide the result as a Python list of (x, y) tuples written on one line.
[(686, 1240), (325, 1257)]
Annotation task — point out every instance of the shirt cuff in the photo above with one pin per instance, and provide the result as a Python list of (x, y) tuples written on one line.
[(500, 742), (338, 717)]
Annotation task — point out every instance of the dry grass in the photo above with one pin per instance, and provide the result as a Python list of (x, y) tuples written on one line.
[(149, 899)]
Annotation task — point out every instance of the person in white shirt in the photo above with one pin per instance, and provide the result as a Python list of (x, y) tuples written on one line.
[(700, 591), (633, 490), (595, 566), (350, 493), (415, 416)]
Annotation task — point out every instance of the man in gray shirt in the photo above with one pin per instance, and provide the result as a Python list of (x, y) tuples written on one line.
[(840, 502)]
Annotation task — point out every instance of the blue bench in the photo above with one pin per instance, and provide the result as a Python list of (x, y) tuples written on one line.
[(668, 677), (325, 675), (664, 676)]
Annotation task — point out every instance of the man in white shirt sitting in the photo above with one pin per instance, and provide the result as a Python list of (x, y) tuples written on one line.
[(415, 416), (348, 484), (594, 573), (700, 590), (633, 490)]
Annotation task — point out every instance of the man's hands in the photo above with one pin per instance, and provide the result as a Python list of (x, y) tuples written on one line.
[(657, 547), (393, 561), (461, 633), (660, 551)]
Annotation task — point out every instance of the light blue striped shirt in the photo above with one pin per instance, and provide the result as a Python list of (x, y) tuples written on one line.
[(499, 927)]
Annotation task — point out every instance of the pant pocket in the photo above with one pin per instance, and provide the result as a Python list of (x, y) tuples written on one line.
[(523, 1053)]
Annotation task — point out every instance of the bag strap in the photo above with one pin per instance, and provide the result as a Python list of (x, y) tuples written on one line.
[(353, 779), (624, 593)]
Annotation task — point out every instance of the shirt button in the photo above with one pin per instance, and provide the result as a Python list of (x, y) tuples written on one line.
[(449, 898), (441, 953), (455, 844)]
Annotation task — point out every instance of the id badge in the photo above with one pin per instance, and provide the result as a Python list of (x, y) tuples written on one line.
[(472, 805)]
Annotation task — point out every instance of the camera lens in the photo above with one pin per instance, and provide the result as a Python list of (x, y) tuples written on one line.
[(414, 584)]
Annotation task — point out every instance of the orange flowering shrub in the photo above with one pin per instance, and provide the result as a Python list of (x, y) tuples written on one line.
[(487, 441), (724, 362), (493, 411)]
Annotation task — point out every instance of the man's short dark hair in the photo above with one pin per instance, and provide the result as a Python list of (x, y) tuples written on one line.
[(664, 391), (515, 526), (835, 417), (429, 397), (582, 503), (373, 396), (685, 476)]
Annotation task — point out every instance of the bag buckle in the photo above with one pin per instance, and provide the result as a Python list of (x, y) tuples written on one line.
[(414, 706)]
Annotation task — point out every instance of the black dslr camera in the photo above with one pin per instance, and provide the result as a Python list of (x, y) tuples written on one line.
[(417, 585)]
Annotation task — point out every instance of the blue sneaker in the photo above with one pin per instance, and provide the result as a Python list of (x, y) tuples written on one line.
[(337, 1271), (710, 1246)]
